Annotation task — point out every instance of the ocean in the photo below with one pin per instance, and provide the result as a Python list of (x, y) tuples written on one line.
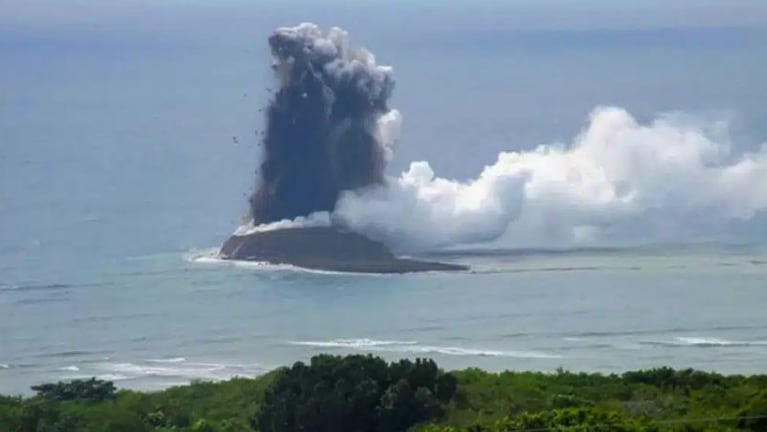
[(120, 175), (163, 319)]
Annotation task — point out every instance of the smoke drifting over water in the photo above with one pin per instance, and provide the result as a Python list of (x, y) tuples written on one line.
[(330, 134), (663, 181), (322, 134)]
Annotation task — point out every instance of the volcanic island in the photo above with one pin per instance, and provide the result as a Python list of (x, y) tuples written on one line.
[(325, 248), (325, 134)]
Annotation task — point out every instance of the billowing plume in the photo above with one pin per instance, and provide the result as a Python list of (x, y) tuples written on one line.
[(330, 134), (327, 126), (618, 179)]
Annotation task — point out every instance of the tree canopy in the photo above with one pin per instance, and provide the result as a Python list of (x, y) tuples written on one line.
[(367, 394), (355, 394)]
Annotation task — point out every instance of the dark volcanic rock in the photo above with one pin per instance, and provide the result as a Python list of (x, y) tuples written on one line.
[(324, 248)]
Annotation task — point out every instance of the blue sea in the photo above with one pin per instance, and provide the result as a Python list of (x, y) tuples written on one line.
[(150, 321), (120, 177)]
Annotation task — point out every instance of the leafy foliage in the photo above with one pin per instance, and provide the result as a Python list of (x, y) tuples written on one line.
[(355, 394), (754, 415), (87, 390), (565, 420), (363, 393)]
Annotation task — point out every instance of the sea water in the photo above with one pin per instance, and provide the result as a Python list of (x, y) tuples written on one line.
[(158, 320)]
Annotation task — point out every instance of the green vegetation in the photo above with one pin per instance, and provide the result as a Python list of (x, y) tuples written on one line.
[(366, 394), (355, 393), (81, 390)]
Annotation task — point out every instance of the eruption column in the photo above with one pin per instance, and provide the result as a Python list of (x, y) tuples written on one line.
[(321, 134)]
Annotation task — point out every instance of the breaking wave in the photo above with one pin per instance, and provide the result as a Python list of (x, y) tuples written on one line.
[(352, 343), (177, 368), (705, 342), (413, 347), (70, 368), (168, 360)]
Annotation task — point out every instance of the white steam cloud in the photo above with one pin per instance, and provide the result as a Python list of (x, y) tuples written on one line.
[(387, 132), (617, 179)]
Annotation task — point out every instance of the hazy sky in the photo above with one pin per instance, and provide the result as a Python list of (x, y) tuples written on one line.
[(438, 14), (108, 99)]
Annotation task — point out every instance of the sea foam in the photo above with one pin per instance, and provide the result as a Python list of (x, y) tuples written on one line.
[(413, 347), (179, 368), (352, 343)]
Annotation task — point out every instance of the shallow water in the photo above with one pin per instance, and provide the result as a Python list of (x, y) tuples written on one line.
[(157, 320)]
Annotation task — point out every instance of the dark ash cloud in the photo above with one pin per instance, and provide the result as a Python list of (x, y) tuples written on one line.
[(321, 136)]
